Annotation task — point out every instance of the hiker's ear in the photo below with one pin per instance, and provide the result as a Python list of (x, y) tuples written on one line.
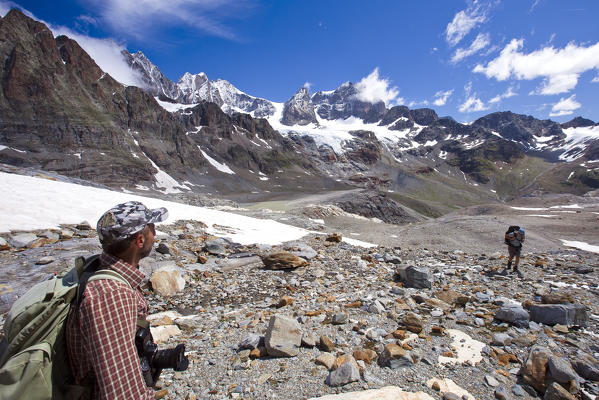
[(139, 240)]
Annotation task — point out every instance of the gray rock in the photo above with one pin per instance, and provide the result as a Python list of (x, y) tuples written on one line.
[(514, 314), (66, 234), (343, 375), (250, 342), (309, 339), (216, 247), (518, 391), (491, 381), (22, 240), (339, 319), (163, 248), (415, 277), (301, 249), (586, 367), (451, 396), (45, 260), (482, 297), (50, 235), (584, 269), (555, 391), (283, 337), (501, 339), (392, 258), (563, 314), (3, 244), (561, 370)]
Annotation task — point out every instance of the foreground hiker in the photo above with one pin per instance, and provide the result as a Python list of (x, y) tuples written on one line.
[(514, 237), (101, 330)]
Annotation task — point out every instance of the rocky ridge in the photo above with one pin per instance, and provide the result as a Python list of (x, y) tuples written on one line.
[(346, 318)]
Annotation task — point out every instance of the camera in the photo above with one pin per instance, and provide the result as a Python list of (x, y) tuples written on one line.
[(153, 361)]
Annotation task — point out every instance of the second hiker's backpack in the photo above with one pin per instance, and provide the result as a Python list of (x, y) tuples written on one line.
[(33, 353)]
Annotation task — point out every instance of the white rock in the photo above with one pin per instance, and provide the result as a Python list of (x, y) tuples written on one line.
[(449, 386), (162, 334), (167, 281), (386, 393)]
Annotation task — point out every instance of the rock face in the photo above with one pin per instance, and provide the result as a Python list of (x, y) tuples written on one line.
[(372, 204), (343, 103), (535, 369), (283, 337), (299, 110), (415, 277), (563, 314)]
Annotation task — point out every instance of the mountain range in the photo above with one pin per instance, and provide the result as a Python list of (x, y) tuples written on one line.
[(60, 112)]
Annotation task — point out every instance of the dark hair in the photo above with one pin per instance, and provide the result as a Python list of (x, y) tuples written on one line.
[(120, 246), (513, 228)]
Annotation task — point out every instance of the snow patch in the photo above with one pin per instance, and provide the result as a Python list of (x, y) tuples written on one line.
[(581, 245), (468, 350), (173, 107), (221, 167)]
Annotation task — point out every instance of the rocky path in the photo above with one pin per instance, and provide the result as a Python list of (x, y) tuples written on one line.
[(334, 318)]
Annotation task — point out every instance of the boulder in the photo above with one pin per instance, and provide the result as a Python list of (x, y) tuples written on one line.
[(564, 314), (326, 344), (167, 280), (560, 370), (514, 314), (555, 391), (161, 334), (308, 340), (334, 238), (395, 357), (557, 298), (22, 240), (343, 375), (283, 260), (326, 359), (249, 342), (587, 367), (413, 322), (452, 297), (501, 339), (216, 247), (345, 358), (415, 277), (3, 244), (283, 337), (365, 355), (535, 368)]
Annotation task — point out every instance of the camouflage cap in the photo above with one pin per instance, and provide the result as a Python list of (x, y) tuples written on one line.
[(125, 219)]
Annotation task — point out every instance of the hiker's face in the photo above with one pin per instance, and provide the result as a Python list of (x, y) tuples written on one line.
[(148, 233)]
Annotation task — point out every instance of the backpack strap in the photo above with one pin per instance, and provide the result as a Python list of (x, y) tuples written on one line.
[(108, 274)]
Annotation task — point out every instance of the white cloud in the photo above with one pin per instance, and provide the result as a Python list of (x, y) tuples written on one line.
[(141, 18), (508, 93), (482, 40), (5, 7), (560, 68), (595, 79), (472, 103), (463, 22), (441, 97), (414, 103), (373, 89), (565, 106)]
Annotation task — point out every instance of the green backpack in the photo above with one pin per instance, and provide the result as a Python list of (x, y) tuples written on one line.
[(33, 353)]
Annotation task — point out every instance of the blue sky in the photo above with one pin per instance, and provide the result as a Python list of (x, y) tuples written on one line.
[(462, 58)]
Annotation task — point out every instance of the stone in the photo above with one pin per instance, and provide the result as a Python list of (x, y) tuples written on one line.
[(283, 260), (584, 269), (385, 393), (283, 337), (334, 238), (326, 344), (560, 328), (66, 234), (482, 297), (557, 298), (518, 391), (500, 393), (491, 381), (535, 368), (501, 339), (451, 396), (415, 277), (326, 359), (161, 334), (449, 389), (216, 247), (564, 314), (163, 318), (345, 358), (413, 322), (163, 248), (587, 367), (301, 249), (284, 301), (392, 258), (251, 341), (365, 355), (45, 260), (514, 314), (524, 340), (343, 375), (83, 226), (555, 391), (3, 244), (339, 318), (22, 240), (394, 357), (167, 281), (308, 340), (560, 369), (188, 324)]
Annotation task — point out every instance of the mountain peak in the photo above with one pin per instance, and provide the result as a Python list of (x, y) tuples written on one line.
[(299, 110)]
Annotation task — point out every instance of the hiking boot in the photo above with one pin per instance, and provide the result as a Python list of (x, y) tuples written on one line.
[(504, 272)]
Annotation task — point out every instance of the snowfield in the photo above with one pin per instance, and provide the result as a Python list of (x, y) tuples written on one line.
[(32, 203)]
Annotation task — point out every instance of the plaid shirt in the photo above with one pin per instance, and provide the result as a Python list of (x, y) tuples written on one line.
[(101, 334)]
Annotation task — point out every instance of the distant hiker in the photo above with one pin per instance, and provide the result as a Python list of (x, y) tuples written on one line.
[(514, 237), (101, 331)]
